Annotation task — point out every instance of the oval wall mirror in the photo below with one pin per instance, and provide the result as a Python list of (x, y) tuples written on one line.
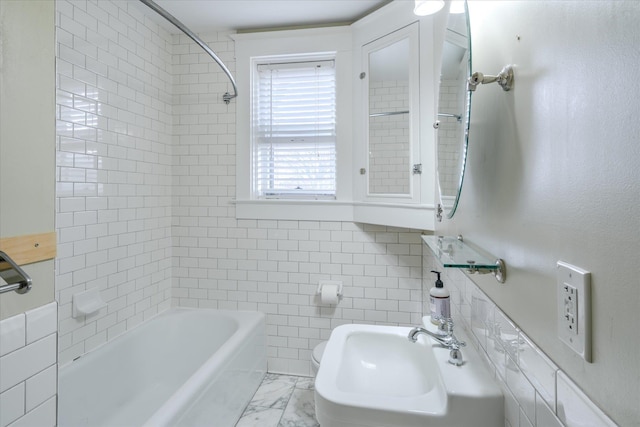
[(454, 110)]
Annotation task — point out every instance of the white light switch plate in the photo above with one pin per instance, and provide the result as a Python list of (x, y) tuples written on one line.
[(574, 308)]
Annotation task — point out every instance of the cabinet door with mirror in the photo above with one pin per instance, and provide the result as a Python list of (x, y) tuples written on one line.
[(392, 170)]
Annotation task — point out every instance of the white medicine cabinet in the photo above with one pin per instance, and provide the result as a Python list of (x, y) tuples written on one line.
[(394, 157)]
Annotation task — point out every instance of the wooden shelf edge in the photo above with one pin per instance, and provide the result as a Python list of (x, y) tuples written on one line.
[(30, 248)]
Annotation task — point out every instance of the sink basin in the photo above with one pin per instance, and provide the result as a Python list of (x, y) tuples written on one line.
[(368, 367), (373, 375)]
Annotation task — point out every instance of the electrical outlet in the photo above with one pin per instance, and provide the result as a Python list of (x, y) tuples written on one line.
[(569, 320), (574, 308)]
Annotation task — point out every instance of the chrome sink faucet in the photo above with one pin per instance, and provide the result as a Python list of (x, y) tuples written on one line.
[(445, 337)]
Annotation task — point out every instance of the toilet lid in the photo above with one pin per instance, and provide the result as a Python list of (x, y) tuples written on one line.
[(318, 351)]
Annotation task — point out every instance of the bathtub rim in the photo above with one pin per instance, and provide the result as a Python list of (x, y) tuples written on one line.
[(167, 312), (186, 394), (248, 323)]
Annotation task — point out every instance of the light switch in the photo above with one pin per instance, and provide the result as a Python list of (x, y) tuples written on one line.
[(574, 308)]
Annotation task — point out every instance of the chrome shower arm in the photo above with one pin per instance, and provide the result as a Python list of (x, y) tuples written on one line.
[(169, 17)]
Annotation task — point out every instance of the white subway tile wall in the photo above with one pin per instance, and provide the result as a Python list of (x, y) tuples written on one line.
[(13, 334), (28, 369), (537, 393), (114, 154), (574, 407), (270, 266)]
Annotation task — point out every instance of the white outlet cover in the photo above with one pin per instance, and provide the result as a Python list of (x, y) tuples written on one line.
[(574, 302)]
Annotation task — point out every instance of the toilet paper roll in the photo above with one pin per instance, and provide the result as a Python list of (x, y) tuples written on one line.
[(329, 294)]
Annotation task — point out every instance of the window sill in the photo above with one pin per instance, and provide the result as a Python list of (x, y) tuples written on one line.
[(309, 210), (415, 216)]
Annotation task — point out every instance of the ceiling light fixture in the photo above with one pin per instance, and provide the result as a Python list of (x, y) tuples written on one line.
[(427, 7)]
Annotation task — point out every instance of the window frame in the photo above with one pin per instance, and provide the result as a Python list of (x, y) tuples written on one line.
[(335, 42)]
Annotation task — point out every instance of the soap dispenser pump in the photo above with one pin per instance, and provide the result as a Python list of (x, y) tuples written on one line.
[(439, 301)]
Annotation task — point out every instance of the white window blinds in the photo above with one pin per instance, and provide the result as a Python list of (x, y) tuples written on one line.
[(294, 130)]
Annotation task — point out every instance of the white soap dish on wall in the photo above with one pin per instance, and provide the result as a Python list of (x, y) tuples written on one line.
[(87, 302)]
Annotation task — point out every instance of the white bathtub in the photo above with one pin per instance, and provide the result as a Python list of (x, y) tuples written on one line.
[(185, 367)]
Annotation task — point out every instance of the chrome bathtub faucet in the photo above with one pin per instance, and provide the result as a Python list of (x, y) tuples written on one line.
[(445, 337)]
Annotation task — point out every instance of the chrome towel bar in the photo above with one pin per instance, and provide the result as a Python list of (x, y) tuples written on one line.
[(15, 277), (457, 116), (390, 113)]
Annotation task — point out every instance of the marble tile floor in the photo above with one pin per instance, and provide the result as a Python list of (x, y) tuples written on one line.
[(281, 401)]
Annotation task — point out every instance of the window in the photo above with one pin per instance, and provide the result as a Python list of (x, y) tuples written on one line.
[(319, 151), (294, 129)]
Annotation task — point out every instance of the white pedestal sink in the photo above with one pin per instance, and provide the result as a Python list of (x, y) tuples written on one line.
[(374, 376)]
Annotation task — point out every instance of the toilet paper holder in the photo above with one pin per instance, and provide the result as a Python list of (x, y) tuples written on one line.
[(321, 283)]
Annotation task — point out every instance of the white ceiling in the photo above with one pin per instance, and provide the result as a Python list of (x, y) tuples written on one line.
[(209, 15)]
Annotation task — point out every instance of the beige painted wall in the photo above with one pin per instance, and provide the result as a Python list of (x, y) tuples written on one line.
[(554, 175), (27, 136)]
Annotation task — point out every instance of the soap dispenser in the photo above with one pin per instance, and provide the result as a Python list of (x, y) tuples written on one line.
[(439, 301)]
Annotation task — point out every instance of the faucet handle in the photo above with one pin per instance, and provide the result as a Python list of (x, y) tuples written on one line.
[(450, 324), (446, 325), (455, 356), (443, 326)]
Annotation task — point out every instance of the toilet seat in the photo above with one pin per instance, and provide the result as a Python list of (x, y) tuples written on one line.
[(316, 355), (318, 351)]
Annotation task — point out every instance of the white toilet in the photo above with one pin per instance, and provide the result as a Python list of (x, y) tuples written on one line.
[(316, 356)]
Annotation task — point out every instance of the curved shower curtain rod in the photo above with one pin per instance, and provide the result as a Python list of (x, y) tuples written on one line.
[(169, 17)]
